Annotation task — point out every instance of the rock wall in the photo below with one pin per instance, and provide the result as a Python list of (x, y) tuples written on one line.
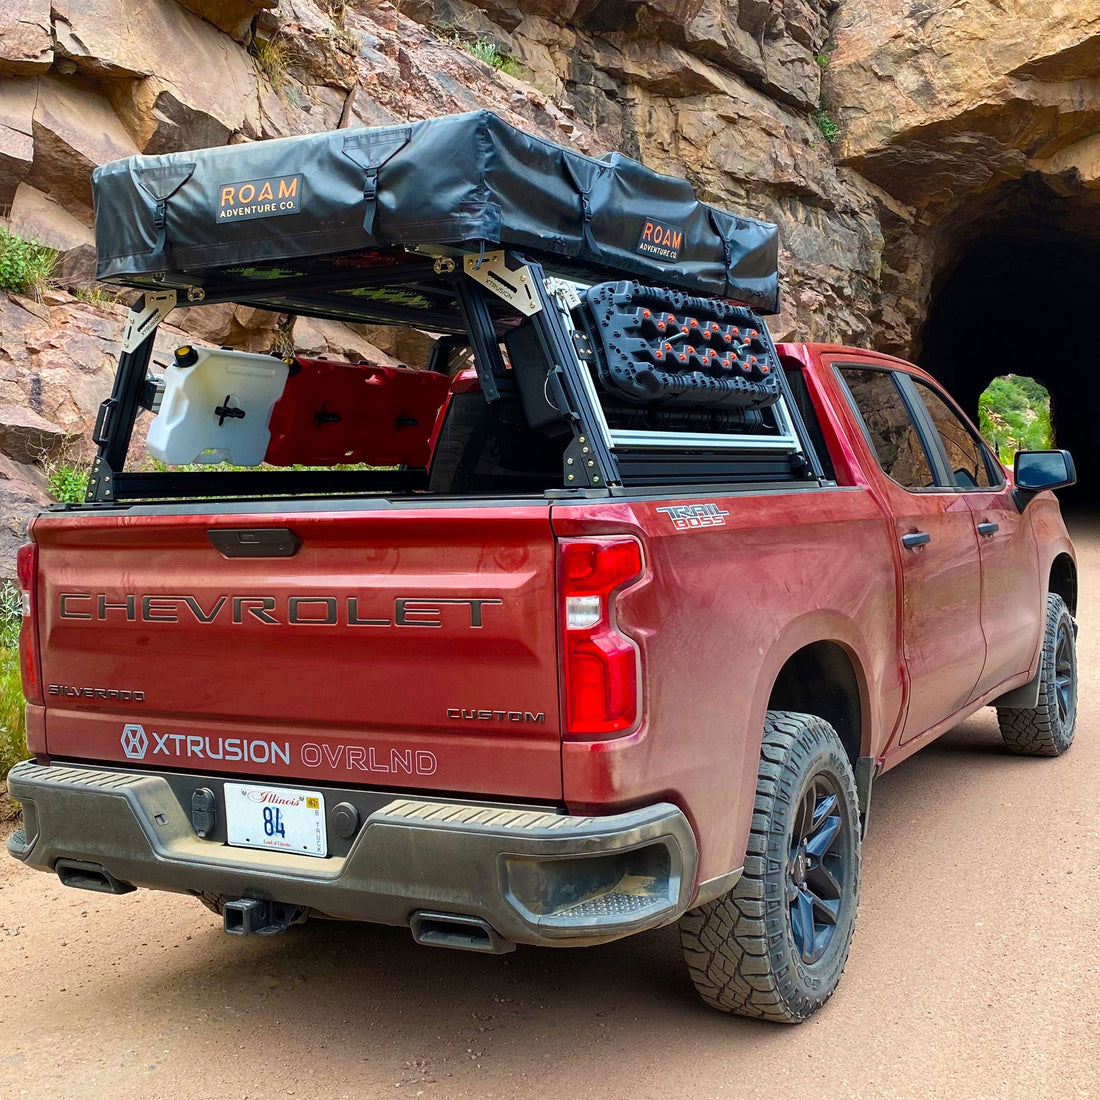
[(952, 117)]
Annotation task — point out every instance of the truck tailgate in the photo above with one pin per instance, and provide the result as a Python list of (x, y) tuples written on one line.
[(407, 646)]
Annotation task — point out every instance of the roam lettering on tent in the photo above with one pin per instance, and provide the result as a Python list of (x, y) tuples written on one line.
[(260, 198), (659, 240)]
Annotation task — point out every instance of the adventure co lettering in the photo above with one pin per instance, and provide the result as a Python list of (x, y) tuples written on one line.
[(660, 241), (263, 198)]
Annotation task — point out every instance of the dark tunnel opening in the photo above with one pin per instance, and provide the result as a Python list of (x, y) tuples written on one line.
[(1024, 302)]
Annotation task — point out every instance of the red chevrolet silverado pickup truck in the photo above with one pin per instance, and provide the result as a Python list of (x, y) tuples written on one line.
[(629, 648)]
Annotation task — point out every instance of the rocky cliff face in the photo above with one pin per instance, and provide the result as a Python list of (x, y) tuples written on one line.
[(953, 118)]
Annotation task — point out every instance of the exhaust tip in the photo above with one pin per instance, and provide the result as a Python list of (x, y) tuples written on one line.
[(89, 876), (458, 932)]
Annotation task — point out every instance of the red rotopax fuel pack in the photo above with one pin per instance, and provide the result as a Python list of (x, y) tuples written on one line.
[(346, 413)]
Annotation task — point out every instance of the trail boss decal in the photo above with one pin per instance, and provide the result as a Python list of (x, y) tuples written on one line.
[(685, 517), (660, 240), (263, 198)]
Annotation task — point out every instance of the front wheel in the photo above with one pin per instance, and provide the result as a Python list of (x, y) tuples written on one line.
[(1047, 729), (774, 947)]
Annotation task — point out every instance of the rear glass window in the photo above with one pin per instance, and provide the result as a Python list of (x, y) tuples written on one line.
[(488, 447)]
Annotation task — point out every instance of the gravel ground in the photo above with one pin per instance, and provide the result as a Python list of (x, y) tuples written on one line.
[(975, 972)]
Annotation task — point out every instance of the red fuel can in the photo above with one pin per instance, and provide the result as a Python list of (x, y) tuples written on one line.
[(346, 413)]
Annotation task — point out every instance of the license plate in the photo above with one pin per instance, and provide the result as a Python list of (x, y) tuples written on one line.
[(277, 818)]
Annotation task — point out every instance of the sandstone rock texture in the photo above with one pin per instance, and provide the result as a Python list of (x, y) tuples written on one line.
[(972, 117), (953, 117)]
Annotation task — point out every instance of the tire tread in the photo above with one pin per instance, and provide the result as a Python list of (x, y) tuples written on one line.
[(726, 942), (1035, 731)]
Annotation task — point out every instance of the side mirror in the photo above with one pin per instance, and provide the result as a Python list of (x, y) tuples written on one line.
[(1035, 471)]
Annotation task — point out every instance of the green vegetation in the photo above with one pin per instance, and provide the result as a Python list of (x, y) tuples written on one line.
[(822, 59), (485, 49), (829, 129), (271, 56), (25, 266), (13, 733), (94, 295), (1014, 415), (67, 484)]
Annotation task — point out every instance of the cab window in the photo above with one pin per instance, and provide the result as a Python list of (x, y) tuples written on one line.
[(969, 463)]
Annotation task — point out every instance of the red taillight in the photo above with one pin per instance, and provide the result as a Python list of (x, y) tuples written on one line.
[(26, 568), (600, 673)]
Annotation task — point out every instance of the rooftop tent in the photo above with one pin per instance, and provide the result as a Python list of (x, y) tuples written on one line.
[(276, 220)]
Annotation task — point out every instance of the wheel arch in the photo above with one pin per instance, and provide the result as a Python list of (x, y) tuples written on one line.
[(1063, 580), (825, 678)]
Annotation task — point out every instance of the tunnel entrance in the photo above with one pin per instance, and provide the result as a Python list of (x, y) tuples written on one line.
[(1025, 300)]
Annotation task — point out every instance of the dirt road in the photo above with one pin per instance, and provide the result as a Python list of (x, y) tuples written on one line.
[(975, 972)]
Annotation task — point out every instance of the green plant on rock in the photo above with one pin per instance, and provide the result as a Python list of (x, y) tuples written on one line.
[(66, 483), (822, 59), (25, 266), (829, 129), (93, 295), (271, 59), (485, 49)]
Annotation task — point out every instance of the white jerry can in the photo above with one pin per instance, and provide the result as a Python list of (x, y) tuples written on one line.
[(216, 407)]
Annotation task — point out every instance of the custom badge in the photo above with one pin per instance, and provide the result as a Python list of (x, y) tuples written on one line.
[(660, 240), (262, 198)]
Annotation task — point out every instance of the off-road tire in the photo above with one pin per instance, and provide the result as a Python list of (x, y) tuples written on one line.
[(740, 948), (1047, 729), (214, 902)]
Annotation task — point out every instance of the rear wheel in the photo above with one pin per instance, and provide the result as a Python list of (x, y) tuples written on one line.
[(774, 947), (1047, 729)]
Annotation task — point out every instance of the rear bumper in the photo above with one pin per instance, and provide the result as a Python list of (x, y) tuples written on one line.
[(536, 876)]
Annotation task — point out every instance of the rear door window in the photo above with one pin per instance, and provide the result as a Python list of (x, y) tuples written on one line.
[(889, 427)]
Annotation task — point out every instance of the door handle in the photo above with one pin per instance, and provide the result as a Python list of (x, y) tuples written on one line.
[(988, 530), (916, 539)]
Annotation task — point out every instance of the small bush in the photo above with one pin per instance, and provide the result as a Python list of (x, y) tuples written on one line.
[(94, 295), (67, 484), (822, 59), (485, 49), (271, 59), (829, 129), (25, 266), (11, 615), (13, 730)]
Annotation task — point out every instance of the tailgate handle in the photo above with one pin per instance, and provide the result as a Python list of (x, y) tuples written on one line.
[(254, 542)]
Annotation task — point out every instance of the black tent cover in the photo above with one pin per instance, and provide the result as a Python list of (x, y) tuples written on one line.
[(451, 182)]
